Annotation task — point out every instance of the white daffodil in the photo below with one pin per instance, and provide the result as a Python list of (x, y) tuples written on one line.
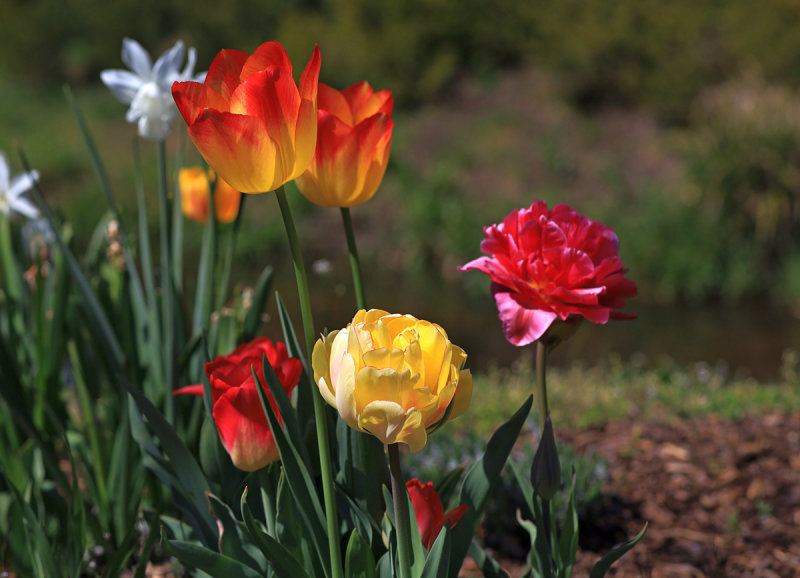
[(148, 89), (11, 199)]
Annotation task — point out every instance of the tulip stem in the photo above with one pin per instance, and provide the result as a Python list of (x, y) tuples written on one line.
[(355, 264), (401, 516), (544, 412), (541, 383), (319, 404)]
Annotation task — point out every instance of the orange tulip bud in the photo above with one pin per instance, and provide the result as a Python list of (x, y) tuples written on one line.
[(195, 192)]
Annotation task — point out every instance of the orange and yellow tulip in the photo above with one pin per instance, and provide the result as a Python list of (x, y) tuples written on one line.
[(353, 141), (194, 184), (251, 122)]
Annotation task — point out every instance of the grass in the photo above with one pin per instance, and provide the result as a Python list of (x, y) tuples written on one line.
[(583, 396)]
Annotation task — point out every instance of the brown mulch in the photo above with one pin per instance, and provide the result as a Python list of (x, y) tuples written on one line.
[(721, 498)]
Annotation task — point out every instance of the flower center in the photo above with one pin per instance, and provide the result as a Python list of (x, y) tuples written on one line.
[(149, 98)]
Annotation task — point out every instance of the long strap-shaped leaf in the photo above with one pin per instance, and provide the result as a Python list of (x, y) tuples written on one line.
[(599, 570), (108, 340), (480, 480), (209, 561), (192, 483), (281, 560), (298, 478)]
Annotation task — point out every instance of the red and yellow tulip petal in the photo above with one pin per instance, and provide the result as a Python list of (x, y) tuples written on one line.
[(333, 102), (230, 141), (225, 72), (244, 430), (192, 98), (309, 79), (267, 55)]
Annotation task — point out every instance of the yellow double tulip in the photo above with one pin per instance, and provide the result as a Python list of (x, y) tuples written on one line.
[(393, 376)]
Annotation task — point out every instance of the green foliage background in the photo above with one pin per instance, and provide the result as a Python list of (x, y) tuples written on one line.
[(643, 52)]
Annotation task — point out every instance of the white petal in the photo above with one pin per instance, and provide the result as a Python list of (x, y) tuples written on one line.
[(123, 84), (23, 206), (136, 58), (188, 70), (21, 183), (166, 68), (4, 172), (153, 128)]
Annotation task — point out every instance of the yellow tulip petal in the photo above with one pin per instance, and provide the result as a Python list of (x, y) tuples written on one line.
[(320, 362), (389, 423), (344, 387), (384, 384), (463, 395), (229, 142), (385, 358)]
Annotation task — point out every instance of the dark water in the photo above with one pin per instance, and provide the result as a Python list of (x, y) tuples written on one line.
[(747, 340)]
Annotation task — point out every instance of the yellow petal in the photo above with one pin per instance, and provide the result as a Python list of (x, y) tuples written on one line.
[(388, 422)]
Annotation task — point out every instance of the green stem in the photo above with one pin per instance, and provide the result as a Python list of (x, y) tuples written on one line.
[(355, 264), (168, 319), (541, 383), (319, 404), (541, 398), (401, 517)]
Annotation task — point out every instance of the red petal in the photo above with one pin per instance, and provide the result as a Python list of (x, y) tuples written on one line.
[(244, 430), (224, 73)]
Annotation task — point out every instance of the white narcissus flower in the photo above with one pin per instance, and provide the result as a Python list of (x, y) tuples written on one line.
[(11, 199), (148, 89)]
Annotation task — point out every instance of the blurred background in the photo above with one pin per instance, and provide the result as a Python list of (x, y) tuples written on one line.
[(678, 124)]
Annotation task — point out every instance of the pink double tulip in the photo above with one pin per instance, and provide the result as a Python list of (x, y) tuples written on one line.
[(550, 267)]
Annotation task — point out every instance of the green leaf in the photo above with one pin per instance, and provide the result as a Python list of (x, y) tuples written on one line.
[(299, 479), (233, 538), (488, 565), (599, 570), (40, 550), (480, 480), (286, 410), (281, 559), (437, 564), (98, 320), (147, 548), (252, 319), (568, 541), (359, 561), (193, 486), (208, 561)]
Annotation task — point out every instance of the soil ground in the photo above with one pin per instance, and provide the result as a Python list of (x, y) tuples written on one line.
[(721, 498)]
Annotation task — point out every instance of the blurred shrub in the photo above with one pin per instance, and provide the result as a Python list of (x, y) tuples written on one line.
[(743, 157), (643, 52)]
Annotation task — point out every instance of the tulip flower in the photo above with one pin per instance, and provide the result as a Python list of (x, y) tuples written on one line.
[(194, 184), (549, 266), (354, 136), (241, 423), (147, 88), (429, 511), (393, 376), (11, 190), (253, 125)]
